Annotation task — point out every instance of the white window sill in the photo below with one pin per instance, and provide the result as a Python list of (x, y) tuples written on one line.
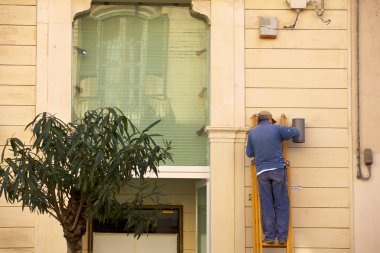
[(201, 172)]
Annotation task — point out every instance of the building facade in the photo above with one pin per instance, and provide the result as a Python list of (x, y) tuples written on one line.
[(323, 69)]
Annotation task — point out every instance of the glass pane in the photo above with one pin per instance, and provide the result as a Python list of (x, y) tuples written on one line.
[(152, 63)]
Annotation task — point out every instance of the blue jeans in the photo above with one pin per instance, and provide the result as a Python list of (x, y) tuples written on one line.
[(274, 200)]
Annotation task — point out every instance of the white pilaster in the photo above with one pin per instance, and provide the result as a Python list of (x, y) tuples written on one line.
[(227, 188), (54, 32)]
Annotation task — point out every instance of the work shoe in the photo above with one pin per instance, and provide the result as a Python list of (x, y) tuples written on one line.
[(268, 242)]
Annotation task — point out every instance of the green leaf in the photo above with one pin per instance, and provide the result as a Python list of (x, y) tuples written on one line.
[(94, 159)]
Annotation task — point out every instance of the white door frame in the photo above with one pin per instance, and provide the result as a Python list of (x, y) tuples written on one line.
[(199, 184)]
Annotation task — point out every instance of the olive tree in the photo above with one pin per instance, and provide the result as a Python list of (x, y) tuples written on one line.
[(75, 171)]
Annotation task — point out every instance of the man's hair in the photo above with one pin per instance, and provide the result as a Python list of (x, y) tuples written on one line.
[(263, 118)]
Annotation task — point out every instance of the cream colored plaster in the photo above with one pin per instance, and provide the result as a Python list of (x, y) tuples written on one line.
[(42, 65), (227, 134), (308, 59), (296, 78), (202, 7), (366, 193), (59, 70), (305, 73), (18, 55), (239, 64), (54, 55), (17, 15), (265, 4), (59, 11), (49, 236), (18, 35), (322, 39), (42, 11), (16, 115), (222, 198), (306, 98), (222, 63), (79, 6), (19, 2), (16, 237), (322, 237), (227, 188), (239, 193), (367, 204), (53, 93), (315, 117), (18, 95), (10, 75), (308, 19)]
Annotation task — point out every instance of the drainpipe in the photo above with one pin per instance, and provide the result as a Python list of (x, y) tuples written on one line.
[(320, 10), (358, 150)]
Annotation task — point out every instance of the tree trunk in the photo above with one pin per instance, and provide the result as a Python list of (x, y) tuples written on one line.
[(74, 223), (74, 246)]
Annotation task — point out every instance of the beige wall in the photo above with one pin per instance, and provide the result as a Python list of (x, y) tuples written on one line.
[(17, 65), (17, 107), (366, 193), (305, 73)]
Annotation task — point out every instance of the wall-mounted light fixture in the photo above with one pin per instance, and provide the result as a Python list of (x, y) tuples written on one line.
[(300, 125), (81, 51)]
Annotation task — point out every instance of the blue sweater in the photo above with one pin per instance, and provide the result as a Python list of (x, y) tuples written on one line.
[(264, 143)]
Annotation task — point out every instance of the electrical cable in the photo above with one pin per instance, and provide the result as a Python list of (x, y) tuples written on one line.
[(360, 175), (327, 22), (320, 11), (295, 21)]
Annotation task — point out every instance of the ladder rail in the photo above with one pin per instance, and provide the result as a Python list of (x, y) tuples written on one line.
[(289, 243), (256, 212)]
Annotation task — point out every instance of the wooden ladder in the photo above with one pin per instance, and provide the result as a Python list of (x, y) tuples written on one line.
[(257, 234)]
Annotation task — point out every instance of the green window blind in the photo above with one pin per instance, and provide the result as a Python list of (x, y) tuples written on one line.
[(152, 63)]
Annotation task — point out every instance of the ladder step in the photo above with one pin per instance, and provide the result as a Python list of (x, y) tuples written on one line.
[(274, 245)]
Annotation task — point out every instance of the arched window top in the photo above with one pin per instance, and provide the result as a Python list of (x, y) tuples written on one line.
[(107, 11), (198, 8)]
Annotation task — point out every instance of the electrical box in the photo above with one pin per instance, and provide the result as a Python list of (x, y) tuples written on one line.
[(298, 4), (368, 158), (268, 27)]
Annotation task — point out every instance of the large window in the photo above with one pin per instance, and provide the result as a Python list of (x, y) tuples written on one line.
[(167, 237), (152, 63)]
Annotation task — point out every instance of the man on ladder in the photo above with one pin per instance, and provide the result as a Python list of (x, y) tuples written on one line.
[(265, 145)]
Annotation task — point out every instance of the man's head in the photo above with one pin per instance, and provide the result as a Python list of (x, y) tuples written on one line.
[(265, 116)]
